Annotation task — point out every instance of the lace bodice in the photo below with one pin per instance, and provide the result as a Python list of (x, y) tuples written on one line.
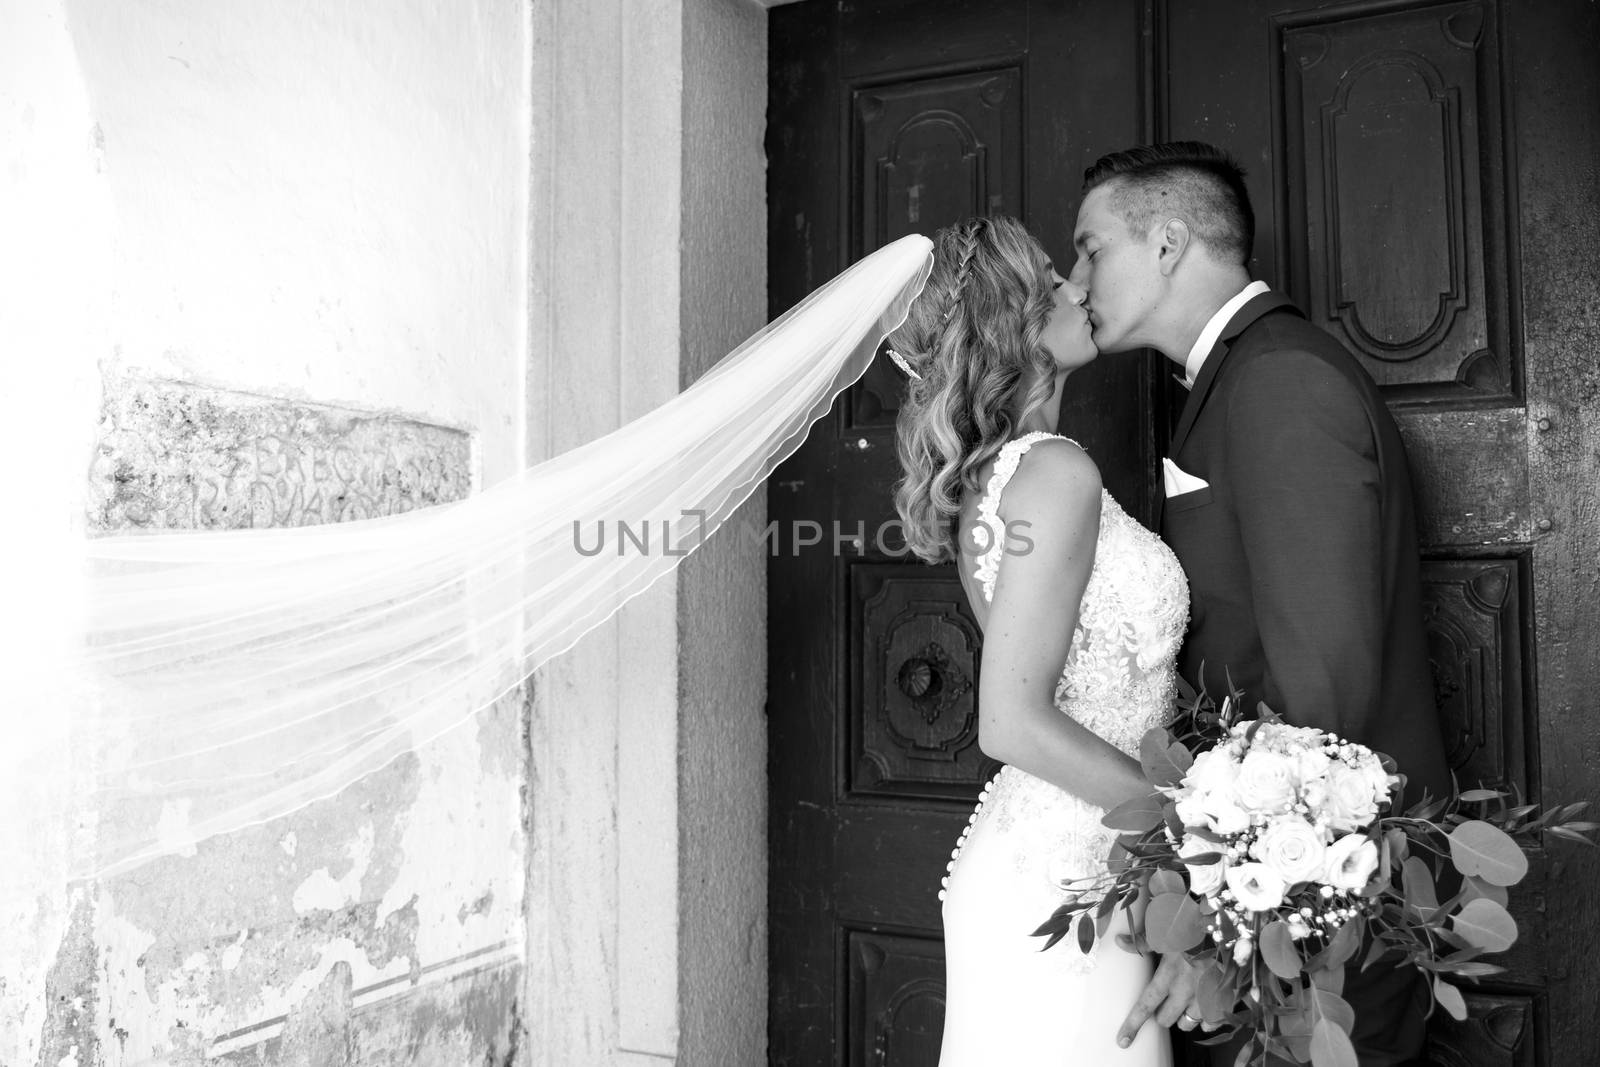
[(1119, 680)]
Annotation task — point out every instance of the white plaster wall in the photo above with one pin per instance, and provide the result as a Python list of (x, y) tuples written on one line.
[(319, 201), (54, 281)]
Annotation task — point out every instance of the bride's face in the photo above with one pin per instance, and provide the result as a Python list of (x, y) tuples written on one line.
[(1068, 335)]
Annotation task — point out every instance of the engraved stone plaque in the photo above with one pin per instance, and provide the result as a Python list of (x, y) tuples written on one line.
[(178, 456)]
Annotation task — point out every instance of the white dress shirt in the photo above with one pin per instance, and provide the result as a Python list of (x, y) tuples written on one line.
[(1213, 329)]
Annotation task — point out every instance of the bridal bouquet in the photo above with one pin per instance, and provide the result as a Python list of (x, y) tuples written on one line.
[(1273, 857)]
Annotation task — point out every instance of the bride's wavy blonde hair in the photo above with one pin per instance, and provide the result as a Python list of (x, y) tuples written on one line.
[(973, 337)]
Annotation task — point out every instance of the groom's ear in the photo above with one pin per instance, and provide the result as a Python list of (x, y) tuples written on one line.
[(1173, 239)]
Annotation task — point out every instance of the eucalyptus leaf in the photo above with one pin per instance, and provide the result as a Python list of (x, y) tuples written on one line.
[(1450, 999), (1329, 979), (1155, 757), (1417, 883), (1477, 848), (1331, 1047), (1475, 888), (1277, 949), (1485, 925), (1137, 815), (1333, 1007), (1215, 993), (1165, 881), (1173, 923), (1346, 942)]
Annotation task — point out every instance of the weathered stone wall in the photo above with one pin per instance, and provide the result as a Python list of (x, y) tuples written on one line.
[(304, 940), (265, 265)]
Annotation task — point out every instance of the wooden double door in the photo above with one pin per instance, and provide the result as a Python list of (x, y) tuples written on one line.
[(1425, 181)]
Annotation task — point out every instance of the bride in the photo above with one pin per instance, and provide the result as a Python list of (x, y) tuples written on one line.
[(1082, 611)]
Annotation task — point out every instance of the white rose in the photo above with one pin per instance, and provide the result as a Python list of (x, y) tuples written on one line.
[(1350, 862), (1291, 847), (1190, 812), (1213, 771), (1266, 782), (1378, 779), (1311, 765), (1349, 804), (1256, 886), (1206, 796), (1225, 817), (1206, 878), (1242, 951)]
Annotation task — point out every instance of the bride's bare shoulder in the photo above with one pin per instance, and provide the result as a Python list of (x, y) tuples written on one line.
[(1055, 473)]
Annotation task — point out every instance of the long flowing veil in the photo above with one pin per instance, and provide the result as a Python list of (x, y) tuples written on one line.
[(219, 679)]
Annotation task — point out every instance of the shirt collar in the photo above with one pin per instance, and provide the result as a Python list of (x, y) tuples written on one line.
[(1213, 330)]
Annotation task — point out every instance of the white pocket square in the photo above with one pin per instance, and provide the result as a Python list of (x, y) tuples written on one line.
[(1178, 481)]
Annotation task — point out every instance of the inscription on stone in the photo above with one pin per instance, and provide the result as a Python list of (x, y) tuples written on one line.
[(178, 456)]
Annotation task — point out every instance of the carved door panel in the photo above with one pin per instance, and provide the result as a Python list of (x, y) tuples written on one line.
[(886, 119), (1413, 166)]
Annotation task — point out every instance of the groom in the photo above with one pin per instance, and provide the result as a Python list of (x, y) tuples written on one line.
[(1288, 503)]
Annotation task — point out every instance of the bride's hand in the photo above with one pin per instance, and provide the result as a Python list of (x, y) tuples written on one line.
[(1169, 997)]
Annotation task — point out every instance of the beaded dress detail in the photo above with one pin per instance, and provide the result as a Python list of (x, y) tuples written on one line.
[(1027, 840)]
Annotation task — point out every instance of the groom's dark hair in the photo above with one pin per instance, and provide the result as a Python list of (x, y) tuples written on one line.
[(1191, 180)]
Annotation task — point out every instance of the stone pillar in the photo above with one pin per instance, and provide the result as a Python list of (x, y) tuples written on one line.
[(647, 859)]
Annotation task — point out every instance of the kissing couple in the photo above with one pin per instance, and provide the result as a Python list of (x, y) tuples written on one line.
[(1286, 567)]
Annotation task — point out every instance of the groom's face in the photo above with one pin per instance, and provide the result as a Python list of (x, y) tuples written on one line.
[(1120, 271)]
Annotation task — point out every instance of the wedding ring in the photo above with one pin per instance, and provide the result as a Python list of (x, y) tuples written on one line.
[(1190, 1018)]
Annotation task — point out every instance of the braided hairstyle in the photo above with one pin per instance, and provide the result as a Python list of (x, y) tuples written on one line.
[(973, 337)]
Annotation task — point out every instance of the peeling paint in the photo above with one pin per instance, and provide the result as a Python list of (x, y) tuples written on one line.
[(318, 1030), (311, 315), (70, 991)]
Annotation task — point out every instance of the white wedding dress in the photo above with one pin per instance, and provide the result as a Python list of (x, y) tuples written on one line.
[(1007, 1002)]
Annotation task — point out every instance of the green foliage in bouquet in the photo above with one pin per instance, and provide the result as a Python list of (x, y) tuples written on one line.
[(1272, 856)]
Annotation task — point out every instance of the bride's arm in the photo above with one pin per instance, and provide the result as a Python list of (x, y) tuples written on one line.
[(1056, 494)]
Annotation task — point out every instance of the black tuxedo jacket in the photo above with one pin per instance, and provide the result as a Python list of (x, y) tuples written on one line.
[(1302, 552), (1303, 572)]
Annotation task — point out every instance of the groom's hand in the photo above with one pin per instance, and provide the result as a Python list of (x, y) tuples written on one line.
[(1167, 997)]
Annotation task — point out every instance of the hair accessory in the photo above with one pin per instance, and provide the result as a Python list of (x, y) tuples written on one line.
[(901, 362)]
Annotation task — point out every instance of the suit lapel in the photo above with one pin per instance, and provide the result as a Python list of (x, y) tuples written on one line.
[(1242, 320)]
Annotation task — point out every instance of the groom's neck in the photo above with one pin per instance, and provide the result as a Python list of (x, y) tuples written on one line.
[(1194, 300)]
